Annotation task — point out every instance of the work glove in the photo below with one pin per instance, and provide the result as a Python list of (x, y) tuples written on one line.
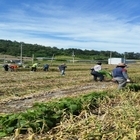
[(128, 80)]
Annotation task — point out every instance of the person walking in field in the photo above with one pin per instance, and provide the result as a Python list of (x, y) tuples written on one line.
[(62, 69), (120, 75)]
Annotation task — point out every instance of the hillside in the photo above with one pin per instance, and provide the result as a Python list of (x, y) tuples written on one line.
[(13, 48)]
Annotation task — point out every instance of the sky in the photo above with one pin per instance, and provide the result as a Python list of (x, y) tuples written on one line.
[(101, 25)]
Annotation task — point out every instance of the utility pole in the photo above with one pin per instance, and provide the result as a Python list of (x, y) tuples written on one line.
[(32, 58), (110, 56), (52, 59), (4, 59), (21, 53), (73, 55), (124, 58)]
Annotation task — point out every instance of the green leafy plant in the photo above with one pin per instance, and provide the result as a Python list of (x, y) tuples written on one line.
[(45, 116)]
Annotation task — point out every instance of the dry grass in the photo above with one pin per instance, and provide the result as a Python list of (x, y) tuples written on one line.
[(118, 118), (26, 83)]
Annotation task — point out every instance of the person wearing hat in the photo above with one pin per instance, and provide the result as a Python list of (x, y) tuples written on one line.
[(95, 71), (120, 75)]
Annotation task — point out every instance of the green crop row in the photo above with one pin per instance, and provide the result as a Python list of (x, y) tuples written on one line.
[(44, 116)]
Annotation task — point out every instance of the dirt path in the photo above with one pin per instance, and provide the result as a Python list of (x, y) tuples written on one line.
[(21, 104)]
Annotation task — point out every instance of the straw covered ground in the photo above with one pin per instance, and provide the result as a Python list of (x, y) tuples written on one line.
[(117, 116)]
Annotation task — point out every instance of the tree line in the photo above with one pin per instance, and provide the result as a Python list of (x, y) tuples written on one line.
[(13, 48)]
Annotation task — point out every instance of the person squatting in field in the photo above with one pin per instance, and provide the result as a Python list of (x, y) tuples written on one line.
[(6, 67), (34, 67), (46, 67), (62, 69), (97, 72), (120, 75), (13, 67)]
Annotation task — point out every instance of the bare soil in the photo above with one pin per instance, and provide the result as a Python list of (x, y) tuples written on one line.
[(23, 103)]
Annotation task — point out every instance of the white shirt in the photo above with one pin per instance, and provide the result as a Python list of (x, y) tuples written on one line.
[(97, 67)]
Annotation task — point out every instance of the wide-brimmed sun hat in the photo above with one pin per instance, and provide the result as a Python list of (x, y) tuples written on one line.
[(121, 65)]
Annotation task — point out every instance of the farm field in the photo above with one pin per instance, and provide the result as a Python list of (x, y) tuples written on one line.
[(26, 87), (20, 90)]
